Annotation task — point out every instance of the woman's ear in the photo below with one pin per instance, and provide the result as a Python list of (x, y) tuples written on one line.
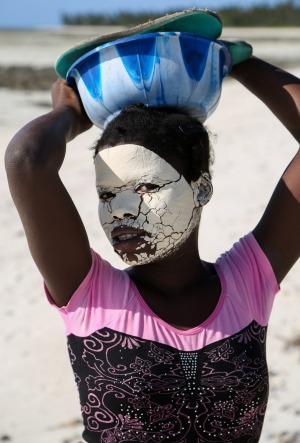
[(202, 189)]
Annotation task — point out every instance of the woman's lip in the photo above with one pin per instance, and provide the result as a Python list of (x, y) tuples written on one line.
[(126, 231), (128, 244), (127, 239)]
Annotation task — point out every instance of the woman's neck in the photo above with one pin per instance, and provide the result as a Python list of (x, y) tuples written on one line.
[(175, 273), (182, 289)]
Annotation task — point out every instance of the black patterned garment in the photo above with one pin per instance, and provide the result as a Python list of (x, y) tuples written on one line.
[(142, 380)]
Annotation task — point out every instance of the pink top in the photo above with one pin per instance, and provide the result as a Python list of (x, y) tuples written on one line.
[(140, 379), (108, 298)]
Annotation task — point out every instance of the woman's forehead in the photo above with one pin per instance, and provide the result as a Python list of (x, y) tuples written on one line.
[(124, 163)]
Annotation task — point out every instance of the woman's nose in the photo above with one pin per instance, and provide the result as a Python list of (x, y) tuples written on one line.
[(125, 204)]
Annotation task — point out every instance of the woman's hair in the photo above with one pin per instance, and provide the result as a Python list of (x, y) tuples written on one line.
[(161, 129)]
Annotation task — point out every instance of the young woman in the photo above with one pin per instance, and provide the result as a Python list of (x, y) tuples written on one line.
[(172, 348)]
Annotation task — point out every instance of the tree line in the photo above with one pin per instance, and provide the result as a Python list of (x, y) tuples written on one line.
[(283, 14)]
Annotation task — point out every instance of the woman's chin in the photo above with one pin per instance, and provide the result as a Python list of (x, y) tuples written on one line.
[(137, 258), (140, 255), (139, 251)]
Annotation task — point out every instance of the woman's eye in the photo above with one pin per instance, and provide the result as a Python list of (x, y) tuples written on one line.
[(146, 187), (105, 196)]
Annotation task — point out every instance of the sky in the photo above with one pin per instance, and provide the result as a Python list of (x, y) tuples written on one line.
[(36, 13)]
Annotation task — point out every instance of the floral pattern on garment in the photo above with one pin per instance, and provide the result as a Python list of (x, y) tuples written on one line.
[(136, 390)]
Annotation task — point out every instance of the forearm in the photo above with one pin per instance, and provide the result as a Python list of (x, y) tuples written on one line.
[(278, 89), (42, 142)]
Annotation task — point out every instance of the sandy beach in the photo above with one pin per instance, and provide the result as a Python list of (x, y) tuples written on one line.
[(39, 401)]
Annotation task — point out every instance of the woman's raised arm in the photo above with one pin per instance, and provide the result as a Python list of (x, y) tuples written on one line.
[(278, 232), (53, 227)]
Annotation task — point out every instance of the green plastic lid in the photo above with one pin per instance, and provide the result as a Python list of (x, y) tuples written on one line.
[(202, 22)]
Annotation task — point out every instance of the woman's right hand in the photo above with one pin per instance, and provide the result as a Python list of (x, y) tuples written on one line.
[(66, 98)]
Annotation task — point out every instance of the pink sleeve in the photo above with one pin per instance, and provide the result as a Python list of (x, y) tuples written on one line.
[(249, 278), (101, 297)]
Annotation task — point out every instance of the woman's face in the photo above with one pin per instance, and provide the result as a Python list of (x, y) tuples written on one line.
[(146, 208)]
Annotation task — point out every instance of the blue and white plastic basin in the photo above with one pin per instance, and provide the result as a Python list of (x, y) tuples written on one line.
[(161, 69)]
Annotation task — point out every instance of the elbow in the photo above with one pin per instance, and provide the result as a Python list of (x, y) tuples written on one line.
[(17, 158), (35, 151), (14, 158), (25, 173), (15, 161), (22, 160)]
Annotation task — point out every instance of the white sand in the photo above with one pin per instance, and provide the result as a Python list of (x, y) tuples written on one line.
[(39, 400)]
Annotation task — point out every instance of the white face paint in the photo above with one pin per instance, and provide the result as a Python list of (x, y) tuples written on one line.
[(146, 208)]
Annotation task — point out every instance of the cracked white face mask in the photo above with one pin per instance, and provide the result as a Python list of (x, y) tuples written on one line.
[(146, 208)]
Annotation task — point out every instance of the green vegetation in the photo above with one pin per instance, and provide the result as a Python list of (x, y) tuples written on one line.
[(121, 19), (284, 14)]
